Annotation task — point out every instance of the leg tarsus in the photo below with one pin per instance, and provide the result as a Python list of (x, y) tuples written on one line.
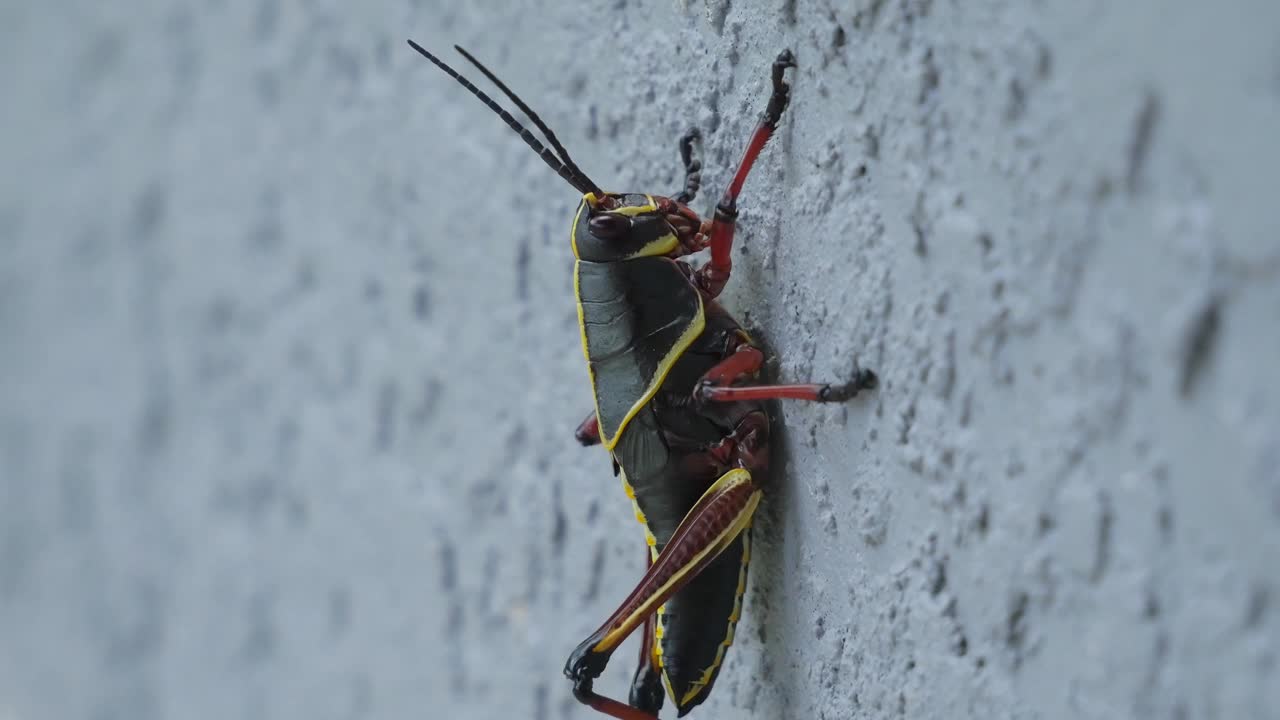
[(692, 166), (582, 691), (585, 664), (781, 91), (863, 379)]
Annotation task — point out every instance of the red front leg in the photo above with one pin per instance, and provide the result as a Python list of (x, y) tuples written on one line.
[(713, 276)]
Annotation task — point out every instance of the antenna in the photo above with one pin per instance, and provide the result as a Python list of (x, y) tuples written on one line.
[(551, 136), (566, 170)]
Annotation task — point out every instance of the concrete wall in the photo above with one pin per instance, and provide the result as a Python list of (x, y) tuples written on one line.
[(289, 367)]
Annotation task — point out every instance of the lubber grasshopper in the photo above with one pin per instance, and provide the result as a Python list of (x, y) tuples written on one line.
[(678, 406)]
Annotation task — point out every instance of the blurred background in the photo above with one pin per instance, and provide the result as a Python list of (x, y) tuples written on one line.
[(289, 366)]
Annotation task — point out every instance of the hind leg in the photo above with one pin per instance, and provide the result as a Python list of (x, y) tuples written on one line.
[(719, 516)]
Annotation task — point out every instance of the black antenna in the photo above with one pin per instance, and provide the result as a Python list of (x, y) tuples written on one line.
[(575, 179), (551, 136)]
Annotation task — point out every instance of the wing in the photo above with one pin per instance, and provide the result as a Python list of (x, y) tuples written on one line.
[(637, 318)]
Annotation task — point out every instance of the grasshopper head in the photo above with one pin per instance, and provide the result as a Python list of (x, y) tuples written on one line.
[(623, 226)]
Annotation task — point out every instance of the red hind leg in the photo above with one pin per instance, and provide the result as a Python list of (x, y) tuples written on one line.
[(646, 688), (719, 516), (585, 695)]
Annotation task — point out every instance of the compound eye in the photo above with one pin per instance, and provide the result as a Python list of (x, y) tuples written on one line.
[(608, 226)]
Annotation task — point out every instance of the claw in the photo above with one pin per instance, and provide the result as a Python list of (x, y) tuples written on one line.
[(866, 379), (781, 90), (585, 665), (863, 379)]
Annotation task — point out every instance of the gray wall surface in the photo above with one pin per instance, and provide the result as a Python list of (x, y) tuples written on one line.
[(289, 365)]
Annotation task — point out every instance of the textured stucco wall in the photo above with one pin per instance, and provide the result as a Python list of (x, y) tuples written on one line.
[(289, 367)]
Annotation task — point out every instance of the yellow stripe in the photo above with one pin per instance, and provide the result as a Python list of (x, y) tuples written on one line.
[(659, 632), (573, 236), (686, 339), (664, 245), (649, 539), (666, 680), (701, 683), (632, 211), (721, 541)]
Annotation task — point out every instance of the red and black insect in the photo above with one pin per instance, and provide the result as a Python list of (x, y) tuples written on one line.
[(678, 407)]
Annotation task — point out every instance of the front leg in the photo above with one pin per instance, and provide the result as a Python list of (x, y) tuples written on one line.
[(713, 276)]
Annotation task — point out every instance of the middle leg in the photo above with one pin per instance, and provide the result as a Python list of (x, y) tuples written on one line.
[(717, 385)]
